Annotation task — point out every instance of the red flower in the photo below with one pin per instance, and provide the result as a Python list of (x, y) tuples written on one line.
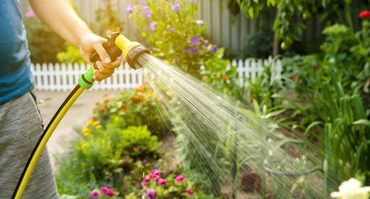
[(101, 109), (135, 149), (293, 78), (364, 14)]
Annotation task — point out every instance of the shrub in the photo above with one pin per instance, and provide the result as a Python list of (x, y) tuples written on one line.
[(43, 43), (102, 154), (259, 44), (137, 141), (173, 34), (135, 107)]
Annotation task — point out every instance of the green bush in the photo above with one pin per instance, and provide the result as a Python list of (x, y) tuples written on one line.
[(43, 43), (259, 44), (173, 34), (137, 141), (102, 155), (136, 107)]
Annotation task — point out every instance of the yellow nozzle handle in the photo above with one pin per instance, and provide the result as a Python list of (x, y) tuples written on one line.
[(125, 45)]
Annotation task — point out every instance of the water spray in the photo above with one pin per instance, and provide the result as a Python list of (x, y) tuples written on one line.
[(116, 45)]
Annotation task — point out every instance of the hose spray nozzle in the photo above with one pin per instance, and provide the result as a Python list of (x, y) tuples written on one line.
[(118, 44)]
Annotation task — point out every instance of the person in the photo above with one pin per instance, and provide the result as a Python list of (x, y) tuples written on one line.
[(20, 119)]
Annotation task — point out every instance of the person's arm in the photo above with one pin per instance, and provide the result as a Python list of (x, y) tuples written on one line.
[(60, 16)]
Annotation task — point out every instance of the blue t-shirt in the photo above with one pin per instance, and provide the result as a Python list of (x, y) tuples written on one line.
[(15, 73)]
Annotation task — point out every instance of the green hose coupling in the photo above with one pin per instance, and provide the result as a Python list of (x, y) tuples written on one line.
[(86, 80)]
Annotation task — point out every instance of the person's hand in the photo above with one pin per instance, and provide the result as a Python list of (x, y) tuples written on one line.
[(106, 67)]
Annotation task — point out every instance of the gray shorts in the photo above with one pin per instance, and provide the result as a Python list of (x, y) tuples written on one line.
[(20, 129)]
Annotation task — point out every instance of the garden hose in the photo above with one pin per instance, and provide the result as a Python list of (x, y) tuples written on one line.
[(116, 46)]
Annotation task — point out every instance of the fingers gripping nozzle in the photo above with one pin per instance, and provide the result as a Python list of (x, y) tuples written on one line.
[(109, 46), (116, 45)]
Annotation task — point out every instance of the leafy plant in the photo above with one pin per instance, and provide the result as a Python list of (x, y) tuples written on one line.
[(108, 18), (135, 107), (289, 30), (38, 35), (173, 33), (156, 185), (138, 141), (221, 75), (259, 44)]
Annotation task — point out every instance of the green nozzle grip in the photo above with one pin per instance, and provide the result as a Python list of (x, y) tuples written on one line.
[(86, 80)]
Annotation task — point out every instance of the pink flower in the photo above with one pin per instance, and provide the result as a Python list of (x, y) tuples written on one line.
[(30, 14), (110, 193), (179, 178), (94, 194), (104, 190), (364, 14), (135, 148), (161, 181), (154, 174), (190, 192), (145, 181)]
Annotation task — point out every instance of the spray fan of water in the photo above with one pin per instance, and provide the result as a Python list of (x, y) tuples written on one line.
[(239, 153)]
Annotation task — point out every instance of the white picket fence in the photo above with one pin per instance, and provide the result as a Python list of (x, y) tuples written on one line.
[(64, 77)]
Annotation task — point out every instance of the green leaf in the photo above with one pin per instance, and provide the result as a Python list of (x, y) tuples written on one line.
[(250, 12), (362, 122)]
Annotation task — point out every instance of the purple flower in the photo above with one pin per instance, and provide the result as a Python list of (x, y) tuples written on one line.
[(154, 174), (193, 1), (190, 192), (30, 14), (161, 181), (176, 7), (194, 51), (179, 178), (156, 166), (152, 26), (147, 13), (194, 40), (150, 193), (214, 49), (95, 193), (145, 181), (129, 8), (144, 5), (187, 49), (172, 29)]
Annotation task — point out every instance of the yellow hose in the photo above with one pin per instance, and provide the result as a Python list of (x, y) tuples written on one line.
[(43, 142)]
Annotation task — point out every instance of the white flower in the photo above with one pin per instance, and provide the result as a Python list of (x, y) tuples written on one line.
[(351, 189)]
